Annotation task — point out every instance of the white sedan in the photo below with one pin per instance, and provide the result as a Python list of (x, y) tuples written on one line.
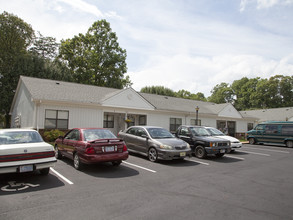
[(23, 150), (235, 143)]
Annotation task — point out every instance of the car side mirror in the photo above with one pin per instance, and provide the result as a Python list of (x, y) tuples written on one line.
[(145, 136)]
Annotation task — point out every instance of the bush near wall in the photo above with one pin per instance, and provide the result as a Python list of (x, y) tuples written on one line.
[(52, 135)]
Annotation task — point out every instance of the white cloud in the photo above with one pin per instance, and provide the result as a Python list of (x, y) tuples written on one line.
[(83, 6), (264, 4), (201, 74)]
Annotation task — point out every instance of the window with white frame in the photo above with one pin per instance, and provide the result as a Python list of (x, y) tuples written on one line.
[(56, 119)]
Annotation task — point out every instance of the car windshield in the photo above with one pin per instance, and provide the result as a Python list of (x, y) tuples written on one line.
[(199, 131), (158, 133), (19, 137), (94, 134), (215, 132)]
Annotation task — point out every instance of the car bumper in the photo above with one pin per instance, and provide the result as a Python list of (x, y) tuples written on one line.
[(217, 150), (171, 154), (236, 145), (98, 158), (14, 167)]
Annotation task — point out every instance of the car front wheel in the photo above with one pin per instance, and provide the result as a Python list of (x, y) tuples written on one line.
[(289, 144), (57, 153), (76, 162), (251, 141), (200, 152), (153, 155)]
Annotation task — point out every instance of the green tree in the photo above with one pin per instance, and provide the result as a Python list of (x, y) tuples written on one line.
[(45, 47), (222, 93), (15, 38), (96, 57), (188, 95), (158, 90), (23, 53), (244, 90)]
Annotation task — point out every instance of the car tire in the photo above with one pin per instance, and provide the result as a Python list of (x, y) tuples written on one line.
[(252, 141), (76, 162), (153, 155), (45, 171), (116, 163), (57, 153), (218, 155), (200, 152), (289, 144)]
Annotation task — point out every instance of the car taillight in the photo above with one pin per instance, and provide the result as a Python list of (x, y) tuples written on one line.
[(124, 148), (90, 150)]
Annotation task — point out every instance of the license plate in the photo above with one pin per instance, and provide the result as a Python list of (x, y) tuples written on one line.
[(26, 168), (222, 151), (182, 154), (109, 149)]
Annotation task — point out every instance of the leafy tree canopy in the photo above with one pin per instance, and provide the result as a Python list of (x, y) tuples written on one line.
[(24, 53), (96, 57)]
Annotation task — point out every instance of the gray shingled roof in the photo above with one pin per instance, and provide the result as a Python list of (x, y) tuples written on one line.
[(273, 114), (53, 90)]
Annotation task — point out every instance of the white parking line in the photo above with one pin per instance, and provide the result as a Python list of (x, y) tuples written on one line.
[(238, 158), (199, 162), (278, 151), (131, 164), (267, 155), (61, 176)]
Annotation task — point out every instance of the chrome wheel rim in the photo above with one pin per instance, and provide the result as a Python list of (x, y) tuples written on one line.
[(76, 161), (152, 154)]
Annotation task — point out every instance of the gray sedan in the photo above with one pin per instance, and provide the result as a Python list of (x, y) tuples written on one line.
[(155, 142)]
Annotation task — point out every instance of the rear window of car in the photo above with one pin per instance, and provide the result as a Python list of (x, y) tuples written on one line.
[(19, 137), (95, 134)]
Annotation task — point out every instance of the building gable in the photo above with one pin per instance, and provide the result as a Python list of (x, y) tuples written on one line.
[(230, 112), (127, 98)]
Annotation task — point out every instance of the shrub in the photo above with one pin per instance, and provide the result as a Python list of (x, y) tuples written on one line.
[(52, 135)]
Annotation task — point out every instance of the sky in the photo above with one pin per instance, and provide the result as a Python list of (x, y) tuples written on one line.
[(179, 44)]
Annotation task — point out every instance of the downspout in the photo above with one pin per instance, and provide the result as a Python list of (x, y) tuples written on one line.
[(38, 103)]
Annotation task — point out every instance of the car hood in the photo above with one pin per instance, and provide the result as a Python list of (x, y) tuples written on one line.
[(9, 149), (210, 139), (229, 138), (171, 141)]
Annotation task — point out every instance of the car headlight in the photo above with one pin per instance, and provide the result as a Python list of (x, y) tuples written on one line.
[(213, 144), (167, 147), (187, 146)]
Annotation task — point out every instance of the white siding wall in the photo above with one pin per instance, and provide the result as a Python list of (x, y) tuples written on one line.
[(24, 108), (78, 116)]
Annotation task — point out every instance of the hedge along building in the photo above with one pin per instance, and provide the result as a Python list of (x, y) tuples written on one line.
[(50, 104)]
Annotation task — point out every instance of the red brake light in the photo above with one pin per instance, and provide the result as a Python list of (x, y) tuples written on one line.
[(90, 150), (124, 148)]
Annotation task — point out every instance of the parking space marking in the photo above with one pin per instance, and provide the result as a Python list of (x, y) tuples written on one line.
[(238, 158), (61, 176), (204, 163), (131, 164), (261, 154), (278, 151)]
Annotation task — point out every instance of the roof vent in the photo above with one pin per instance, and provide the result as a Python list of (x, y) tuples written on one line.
[(166, 97), (57, 83)]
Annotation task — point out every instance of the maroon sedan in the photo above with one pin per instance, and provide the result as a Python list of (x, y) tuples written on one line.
[(90, 146)]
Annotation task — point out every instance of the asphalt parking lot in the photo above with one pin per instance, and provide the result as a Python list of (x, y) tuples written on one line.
[(255, 182)]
